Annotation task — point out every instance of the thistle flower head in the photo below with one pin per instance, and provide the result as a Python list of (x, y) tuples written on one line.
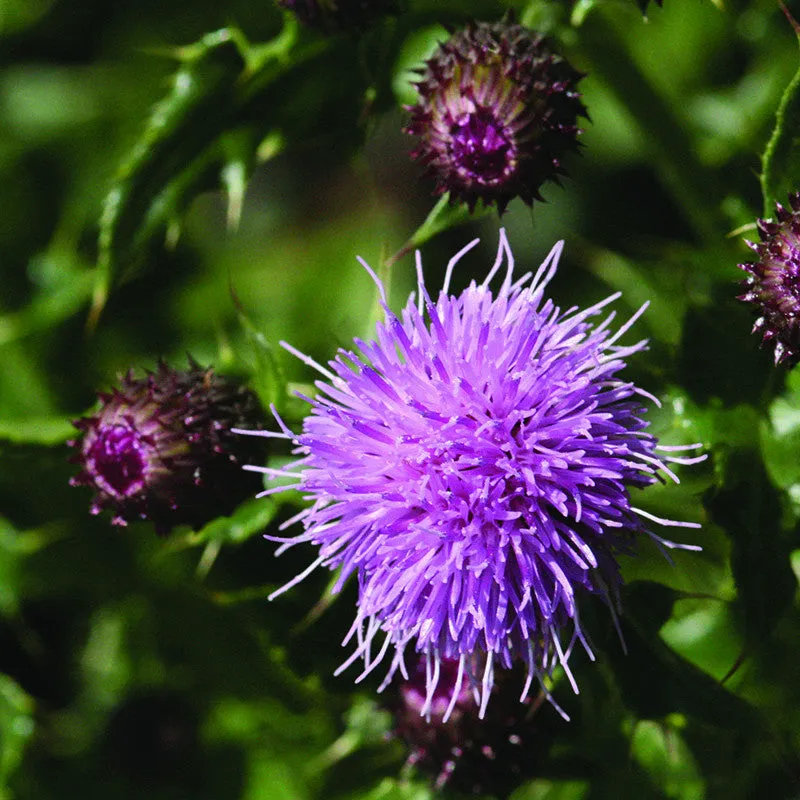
[(160, 448), (472, 466), (471, 755), (773, 282), (497, 114)]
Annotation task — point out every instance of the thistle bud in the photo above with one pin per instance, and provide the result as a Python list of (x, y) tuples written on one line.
[(773, 282), (447, 738), (498, 113), (160, 448)]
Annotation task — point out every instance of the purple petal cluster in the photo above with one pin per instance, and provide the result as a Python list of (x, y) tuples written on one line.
[(160, 448), (472, 466), (497, 114), (773, 282)]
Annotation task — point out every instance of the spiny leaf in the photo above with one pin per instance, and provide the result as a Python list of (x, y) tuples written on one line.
[(781, 160), (207, 131), (172, 154)]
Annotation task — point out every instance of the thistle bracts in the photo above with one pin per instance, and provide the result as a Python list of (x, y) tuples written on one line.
[(497, 114)]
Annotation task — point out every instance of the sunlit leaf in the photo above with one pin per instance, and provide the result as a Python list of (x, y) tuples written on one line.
[(37, 430), (249, 519), (649, 663), (16, 727), (663, 753)]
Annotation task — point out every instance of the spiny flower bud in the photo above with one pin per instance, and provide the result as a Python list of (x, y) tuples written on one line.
[(161, 448), (773, 282), (497, 115), (462, 751), (337, 14)]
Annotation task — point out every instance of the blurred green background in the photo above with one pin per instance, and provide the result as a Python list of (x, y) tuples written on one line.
[(132, 664)]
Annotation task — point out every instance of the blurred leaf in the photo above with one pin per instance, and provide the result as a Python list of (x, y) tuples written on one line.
[(41, 430), (173, 154), (367, 725), (48, 308), (654, 680), (16, 727), (552, 790), (748, 507), (14, 546), (205, 132), (780, 173), (9, 567), (417, 48), (392, 789), (665, 757), (780, 440), (250, 518), (16, 15), (658, 287), (270, 775), (704, 632)]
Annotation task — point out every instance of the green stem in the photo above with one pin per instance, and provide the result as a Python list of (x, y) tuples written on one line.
[(668, 141)]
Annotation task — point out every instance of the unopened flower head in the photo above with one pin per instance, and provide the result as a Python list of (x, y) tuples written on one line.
[(773, 282), (161, 448), (464, 752), (498, 113), (472, 466)]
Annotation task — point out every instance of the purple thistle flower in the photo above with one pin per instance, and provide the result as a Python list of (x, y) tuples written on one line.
[(472, 466), (773, 282), (161, 448), (497, 115)]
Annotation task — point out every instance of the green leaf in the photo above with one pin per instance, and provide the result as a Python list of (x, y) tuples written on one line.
[(16, 727), (269, 380), (249, 519), (748, 507), (48, 308), (780, 439), (38, 430), (665, 757), (173, 154), (654, 680), (393, 789), (552, 790), (780, 173), (206, 132)]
